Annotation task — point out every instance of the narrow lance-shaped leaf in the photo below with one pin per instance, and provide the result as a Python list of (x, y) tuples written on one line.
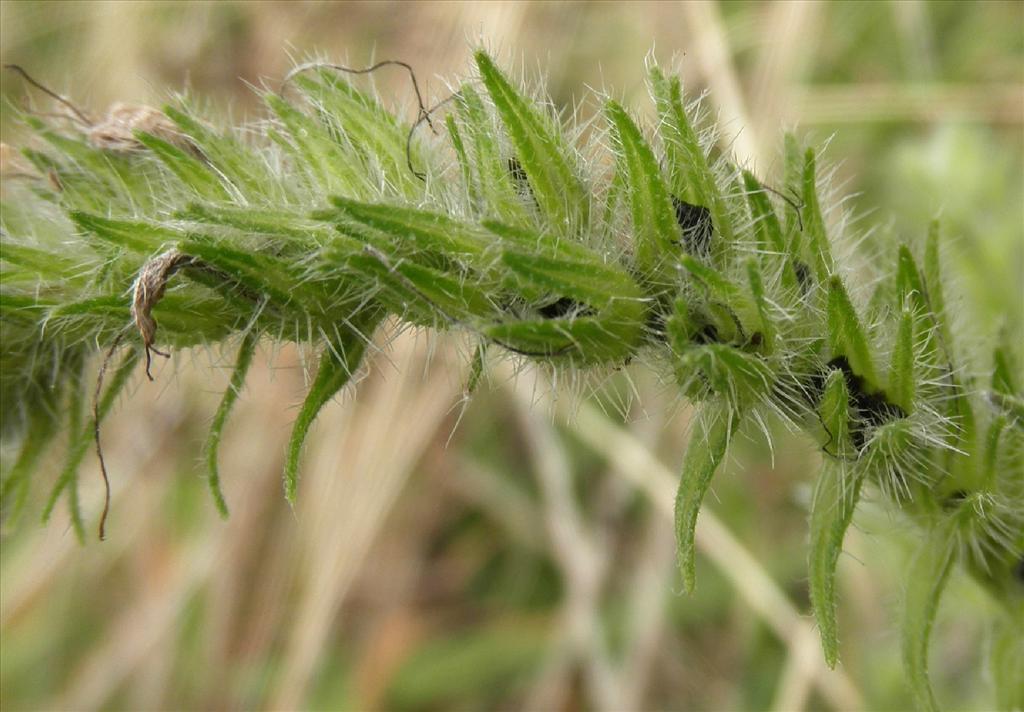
[(959, 406), (75, 407), (688, 166), (455, 136), (933, 282), (581, 340), (220, 419), (735, 375), (477, 367), (901, 373), (655, 230), (926, 581), (541, 150), (600, 285), (235, 161), (993, 437), (766, 222), (42, 426), (846, 335), (814, 222), (793, 169), (44, 263), (835, 497), (714, 425), (912, 295), (134, 235), (497, 192), (189, 170), (717, 284), (414, 230), (370, 135), (756, 283), (337, 364), (1004, 379), (316, 151)]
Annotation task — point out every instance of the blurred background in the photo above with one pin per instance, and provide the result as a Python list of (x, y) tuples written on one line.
[(512, 551)]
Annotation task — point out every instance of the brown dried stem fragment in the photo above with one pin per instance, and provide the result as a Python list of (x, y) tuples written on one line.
[(96, 432), (148, 290), (79, 115), (117, 132)]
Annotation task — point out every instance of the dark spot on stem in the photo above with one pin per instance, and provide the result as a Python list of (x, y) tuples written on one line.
[(803, 276), (707, 334), (696, 226), (516, 170), (954, 499), (564, 307), (522, 181), (873, 407)]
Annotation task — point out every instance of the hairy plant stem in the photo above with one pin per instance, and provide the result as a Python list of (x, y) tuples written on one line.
[(669, 254)]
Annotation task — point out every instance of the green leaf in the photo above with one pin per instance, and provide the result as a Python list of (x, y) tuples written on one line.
[(498, 195), (542, 151), (220, 419), (1004, 379), (836, 494), (959, 406), (993, 437), (411, 231), (602, 286), (926, 581), (909, 285), (338, 362), (43, 263), (252, 274), (688, 167), (913, 295), (717, 284), (261, 221), (236, 162), (933, 283), (766, 222), (739, 378), (329, 167), (846, 335), (42, 426), (583, 340), (814, 223), (135, 235), (193, 174), (655, 230), (463, 158), (901, 373), (793, 171), (456, 298), (370, 134), (74, 408), (477, 368), (757, 290), (713, 427)]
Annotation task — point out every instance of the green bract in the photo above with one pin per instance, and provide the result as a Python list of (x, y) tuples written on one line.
[(331, 218)]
